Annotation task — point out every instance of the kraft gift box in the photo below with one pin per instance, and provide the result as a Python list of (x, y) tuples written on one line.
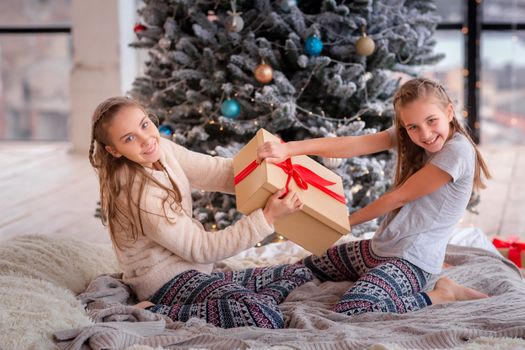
[(324, 216)]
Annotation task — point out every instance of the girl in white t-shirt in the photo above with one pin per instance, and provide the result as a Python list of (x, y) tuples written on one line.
[(438, 166)]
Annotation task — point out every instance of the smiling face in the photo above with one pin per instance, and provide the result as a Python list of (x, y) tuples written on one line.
[(133, 135), (427, 123)]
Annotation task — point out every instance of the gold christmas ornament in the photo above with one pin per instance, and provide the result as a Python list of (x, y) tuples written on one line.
[(263, 73), (365, 46)]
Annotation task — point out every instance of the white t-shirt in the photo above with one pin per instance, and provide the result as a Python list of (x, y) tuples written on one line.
[(422, 228)]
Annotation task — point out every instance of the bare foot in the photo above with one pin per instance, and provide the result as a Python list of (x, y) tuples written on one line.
[(447, 265), (144, 304), (447, 291)]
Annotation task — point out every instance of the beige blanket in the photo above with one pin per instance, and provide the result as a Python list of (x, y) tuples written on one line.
[(310, 324)]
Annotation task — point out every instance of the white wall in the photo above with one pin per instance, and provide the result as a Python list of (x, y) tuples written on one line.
[(103, 64), (130, 63)]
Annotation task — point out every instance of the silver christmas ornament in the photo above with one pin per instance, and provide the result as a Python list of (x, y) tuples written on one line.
[(286, 5), (234, 23), (164, 43), (332, 163)]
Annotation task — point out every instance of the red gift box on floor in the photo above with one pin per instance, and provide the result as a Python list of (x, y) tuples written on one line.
[(324, 217), (512, 249)]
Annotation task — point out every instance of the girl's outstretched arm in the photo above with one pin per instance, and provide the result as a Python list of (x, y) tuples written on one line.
[(334, 147), (184, 236), (425, 181)]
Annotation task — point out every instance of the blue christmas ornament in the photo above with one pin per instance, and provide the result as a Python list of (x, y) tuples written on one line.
[(286, 5), (313, 46), (230, 108), (166, 130)]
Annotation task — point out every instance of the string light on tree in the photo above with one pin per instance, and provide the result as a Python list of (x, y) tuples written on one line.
[(230, 108), (263, 73), (313, 45), (365, 46)]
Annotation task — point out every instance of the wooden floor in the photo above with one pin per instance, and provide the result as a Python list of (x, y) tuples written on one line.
[(502, 205), (45, 189)]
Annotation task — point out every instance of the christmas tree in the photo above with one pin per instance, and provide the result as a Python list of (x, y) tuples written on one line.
[(220, 70)]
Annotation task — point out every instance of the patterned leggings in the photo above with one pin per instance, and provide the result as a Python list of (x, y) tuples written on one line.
[(230, 299), (382, 284)]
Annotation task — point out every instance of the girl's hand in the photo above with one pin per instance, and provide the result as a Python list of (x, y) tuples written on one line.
[(277, 207), (274, 152)]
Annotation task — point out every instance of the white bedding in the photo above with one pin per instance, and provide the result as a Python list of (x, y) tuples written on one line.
[(288, 252), (40, 277), (311, 324)]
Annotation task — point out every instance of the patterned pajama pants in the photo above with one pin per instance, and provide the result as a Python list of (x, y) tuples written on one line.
[(230, 299), (382, 284)]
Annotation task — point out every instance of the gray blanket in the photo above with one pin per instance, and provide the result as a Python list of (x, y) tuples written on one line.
[(310, 323)]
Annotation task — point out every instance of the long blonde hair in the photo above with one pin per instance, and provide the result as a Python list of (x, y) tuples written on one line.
[(120, 210), (410, 156)]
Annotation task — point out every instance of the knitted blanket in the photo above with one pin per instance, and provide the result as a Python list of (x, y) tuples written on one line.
[(311, 324)]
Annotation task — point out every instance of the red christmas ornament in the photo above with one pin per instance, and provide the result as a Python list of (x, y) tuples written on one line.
[(212, 17), (139, 28)]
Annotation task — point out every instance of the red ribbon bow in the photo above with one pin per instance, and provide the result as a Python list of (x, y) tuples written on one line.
[(515, 248), (301, 175)]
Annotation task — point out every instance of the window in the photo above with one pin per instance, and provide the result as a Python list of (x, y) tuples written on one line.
[(503, 11), (492, 34), (451, 11), (449, 71), (502, 106), (35, 64)]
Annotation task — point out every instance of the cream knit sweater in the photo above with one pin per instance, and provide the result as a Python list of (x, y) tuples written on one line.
[(179, 243)]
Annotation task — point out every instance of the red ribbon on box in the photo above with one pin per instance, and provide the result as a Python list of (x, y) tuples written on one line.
[(515, 248), (302, 176)]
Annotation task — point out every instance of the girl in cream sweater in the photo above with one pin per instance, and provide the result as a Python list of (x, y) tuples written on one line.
[(167, 256)]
